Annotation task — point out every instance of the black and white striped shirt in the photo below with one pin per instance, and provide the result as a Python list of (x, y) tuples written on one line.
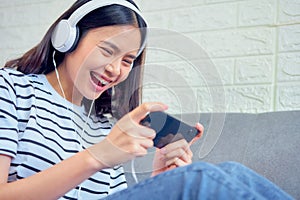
[(39, 128)]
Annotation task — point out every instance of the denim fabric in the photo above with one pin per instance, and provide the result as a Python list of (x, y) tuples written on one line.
[(200, 180)]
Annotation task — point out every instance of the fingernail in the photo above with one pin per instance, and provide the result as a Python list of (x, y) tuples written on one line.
[(159, 106)]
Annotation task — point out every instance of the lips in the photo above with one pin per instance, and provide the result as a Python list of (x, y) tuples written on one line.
[(99, 80)]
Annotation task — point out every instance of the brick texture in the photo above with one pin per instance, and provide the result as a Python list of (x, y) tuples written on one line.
[(253, 48), (253, 44)]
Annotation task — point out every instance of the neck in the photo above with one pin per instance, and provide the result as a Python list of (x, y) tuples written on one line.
[(64, 85)]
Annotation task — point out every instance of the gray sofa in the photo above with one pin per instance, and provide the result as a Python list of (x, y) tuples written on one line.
[(268, 143)]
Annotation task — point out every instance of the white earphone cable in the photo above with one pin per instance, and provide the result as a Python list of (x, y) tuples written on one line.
[(81, 135), (85, 124), (57, 75), (133, 171)]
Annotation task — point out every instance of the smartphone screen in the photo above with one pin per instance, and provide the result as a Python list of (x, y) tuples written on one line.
[(168, 129)]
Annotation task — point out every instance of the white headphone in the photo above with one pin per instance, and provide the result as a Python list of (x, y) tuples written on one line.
[(65, 34)]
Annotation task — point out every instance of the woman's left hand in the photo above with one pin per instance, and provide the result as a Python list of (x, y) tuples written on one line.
[(175, 154)]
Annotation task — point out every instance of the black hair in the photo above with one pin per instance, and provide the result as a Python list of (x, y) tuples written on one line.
[(127, 95)]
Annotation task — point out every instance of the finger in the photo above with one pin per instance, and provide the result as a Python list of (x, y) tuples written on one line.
[(146, 143), (178, 149), (201, 130), (178, 153), (190, 153), (177, 161), (146, 132), (133, 129), (137, 150), (141, 111), (171, 167), (175, 145)]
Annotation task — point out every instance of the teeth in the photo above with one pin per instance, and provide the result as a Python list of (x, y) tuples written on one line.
[(103, 82)]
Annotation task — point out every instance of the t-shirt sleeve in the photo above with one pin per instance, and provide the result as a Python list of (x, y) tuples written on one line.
[(8, 116)]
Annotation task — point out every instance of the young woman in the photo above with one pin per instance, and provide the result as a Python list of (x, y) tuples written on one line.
[(55, 141)]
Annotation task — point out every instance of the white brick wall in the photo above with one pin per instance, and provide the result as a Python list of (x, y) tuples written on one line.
[(254, 46), (23, 24)]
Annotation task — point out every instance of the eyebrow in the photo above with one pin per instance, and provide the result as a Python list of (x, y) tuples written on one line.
[(112, 45)]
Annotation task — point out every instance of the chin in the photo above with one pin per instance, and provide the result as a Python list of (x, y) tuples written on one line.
[(93, 96)]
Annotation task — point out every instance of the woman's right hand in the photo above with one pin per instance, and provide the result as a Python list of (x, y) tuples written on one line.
[(127, 139)]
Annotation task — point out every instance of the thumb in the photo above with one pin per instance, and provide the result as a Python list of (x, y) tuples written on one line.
[(200, 129), (141, 111)]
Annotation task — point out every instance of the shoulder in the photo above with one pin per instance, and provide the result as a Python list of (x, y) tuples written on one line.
[(17, 81), (11, 76), (8, 81)]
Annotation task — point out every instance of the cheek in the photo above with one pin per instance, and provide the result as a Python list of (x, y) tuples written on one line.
[(124, 75), (77, 71), (92, 59), (77, 63)]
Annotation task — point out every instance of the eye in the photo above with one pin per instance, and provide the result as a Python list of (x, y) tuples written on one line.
[(106, 51), (127, 62)]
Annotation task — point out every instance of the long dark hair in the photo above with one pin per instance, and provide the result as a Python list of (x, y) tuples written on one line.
[(126, 95)]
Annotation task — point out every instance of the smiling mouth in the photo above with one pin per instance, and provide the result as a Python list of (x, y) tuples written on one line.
[(98, 80)]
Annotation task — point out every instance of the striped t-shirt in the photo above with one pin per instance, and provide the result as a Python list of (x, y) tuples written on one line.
[(39, 128)]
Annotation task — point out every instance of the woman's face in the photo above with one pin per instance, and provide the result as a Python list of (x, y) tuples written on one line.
[(103, 58)]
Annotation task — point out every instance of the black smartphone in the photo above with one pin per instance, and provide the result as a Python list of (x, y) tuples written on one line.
[(168, 129)]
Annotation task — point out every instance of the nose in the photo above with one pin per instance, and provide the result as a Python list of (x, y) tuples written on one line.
[(114, 68)]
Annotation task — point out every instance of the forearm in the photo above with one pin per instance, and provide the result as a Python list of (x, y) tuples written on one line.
[(54, 182)]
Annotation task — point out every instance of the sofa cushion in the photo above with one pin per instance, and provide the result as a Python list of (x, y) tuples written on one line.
[(268, 143)]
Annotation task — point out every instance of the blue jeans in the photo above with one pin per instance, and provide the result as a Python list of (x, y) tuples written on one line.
[(229, 180)]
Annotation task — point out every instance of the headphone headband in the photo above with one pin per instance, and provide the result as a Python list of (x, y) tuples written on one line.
[(65, 34), (78, 14)]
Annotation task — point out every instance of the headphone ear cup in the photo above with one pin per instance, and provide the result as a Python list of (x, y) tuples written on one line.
[(64, 36), (76, 40)]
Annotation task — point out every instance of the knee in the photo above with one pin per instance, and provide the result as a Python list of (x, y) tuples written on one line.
[(229, 164), (229, 167), (232, 165), (200, 166)]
